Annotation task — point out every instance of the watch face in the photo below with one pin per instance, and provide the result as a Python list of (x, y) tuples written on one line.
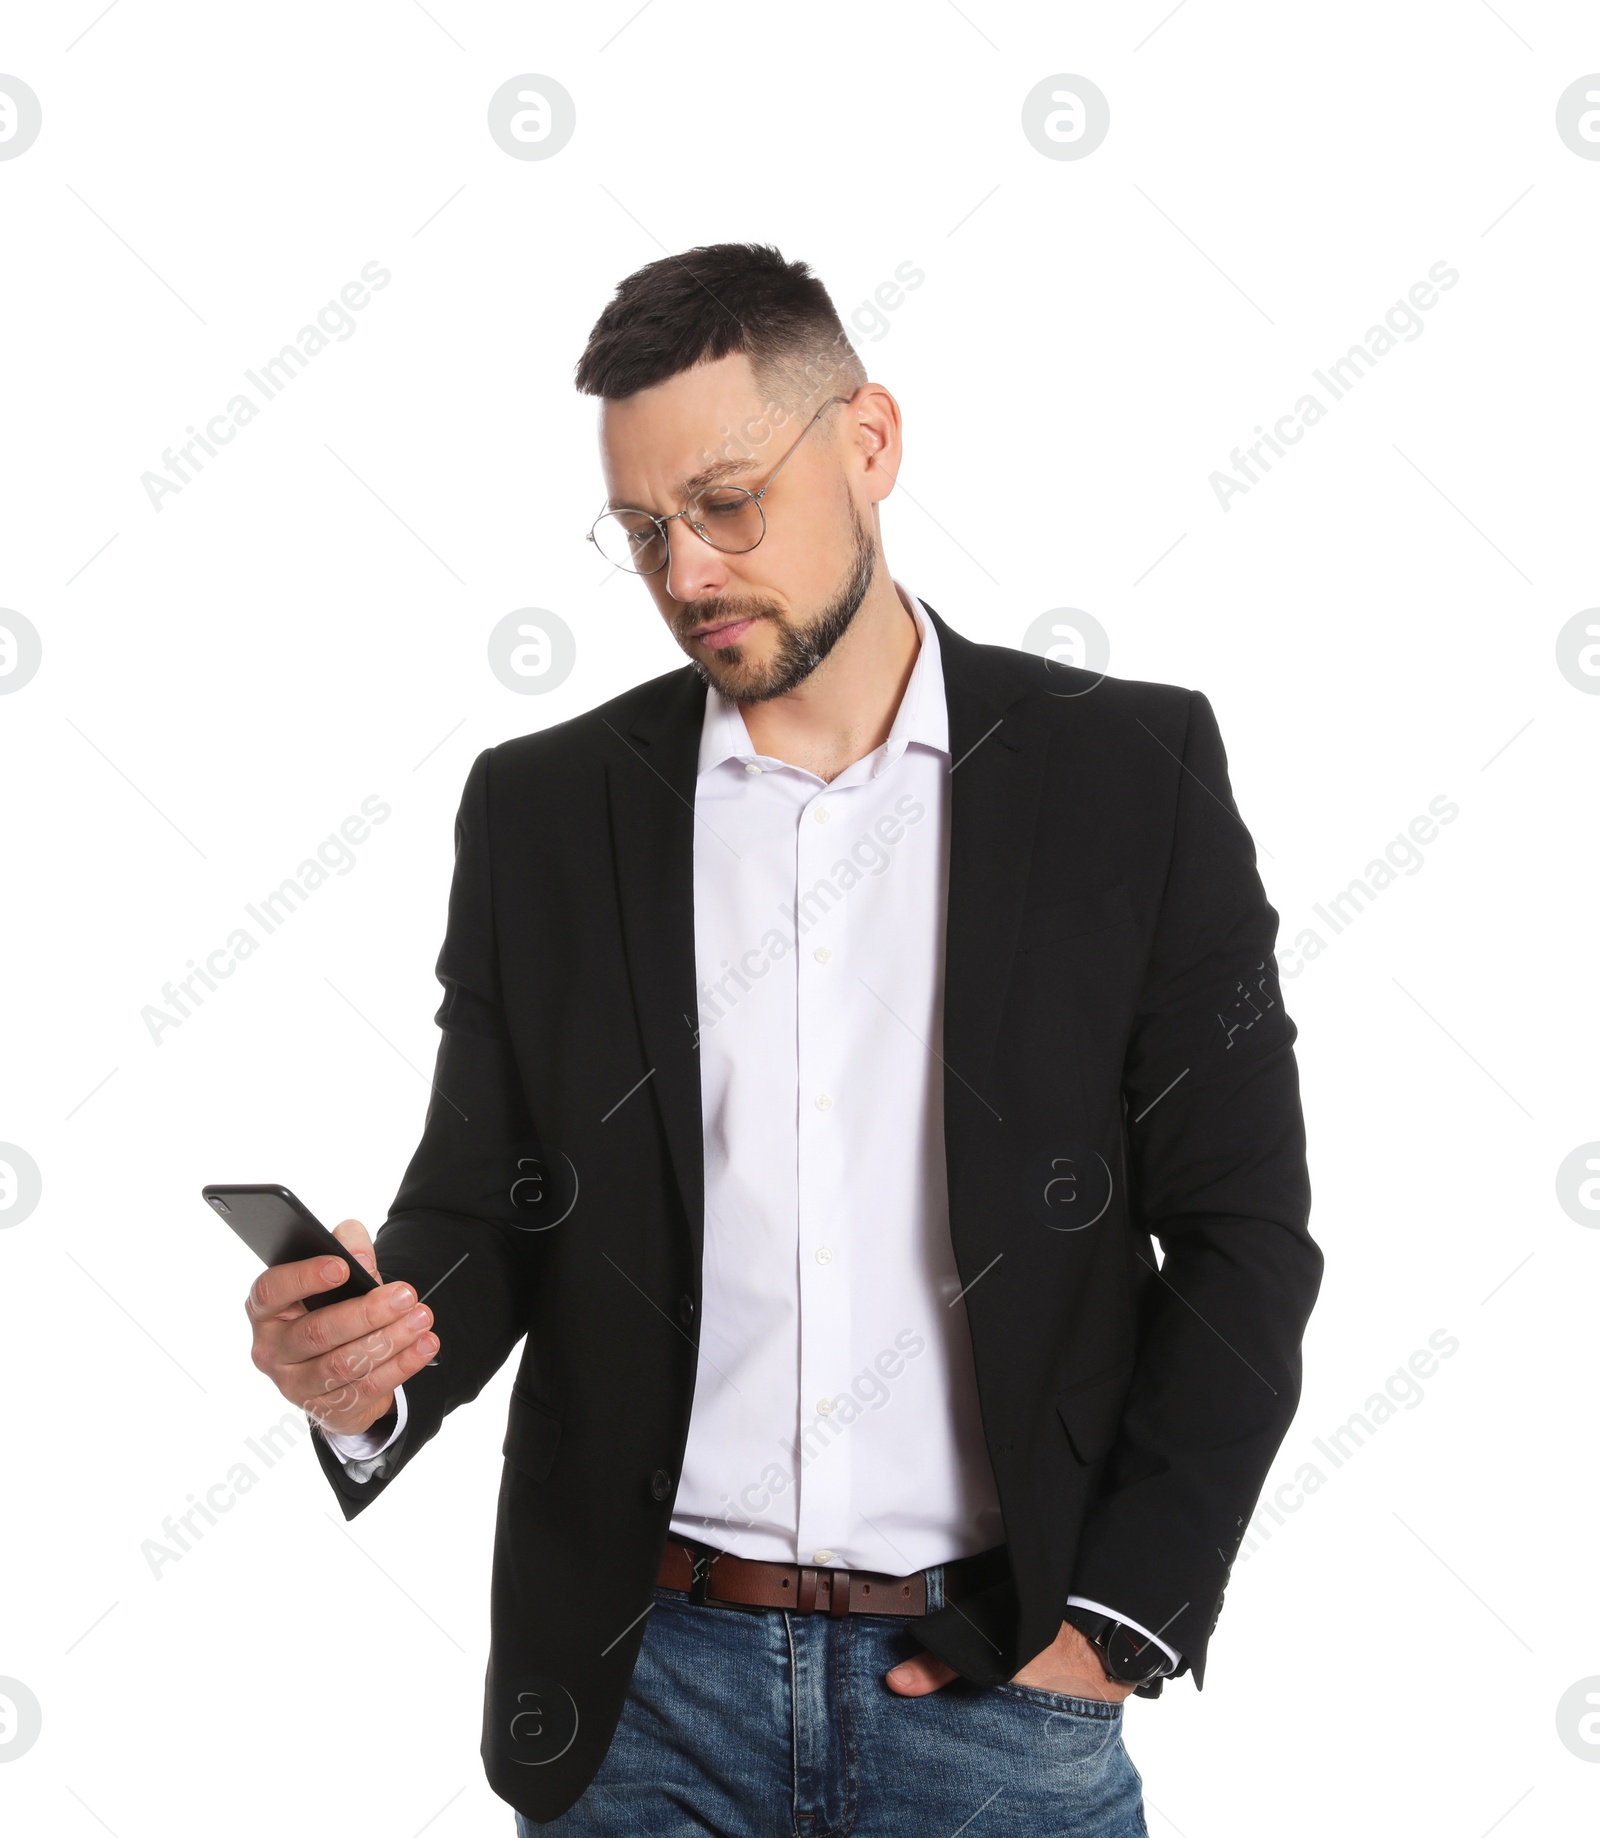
[(1133, 1658)]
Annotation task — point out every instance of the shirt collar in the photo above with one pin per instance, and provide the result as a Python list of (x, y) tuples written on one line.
[(922, 715)]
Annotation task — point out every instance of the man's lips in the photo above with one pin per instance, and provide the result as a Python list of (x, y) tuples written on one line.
[(727, 632)]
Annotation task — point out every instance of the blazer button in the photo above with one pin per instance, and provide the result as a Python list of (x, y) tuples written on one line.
[(686, 1310), (660, 1484)]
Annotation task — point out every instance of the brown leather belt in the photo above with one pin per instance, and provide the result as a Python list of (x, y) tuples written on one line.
[(719, 1579)]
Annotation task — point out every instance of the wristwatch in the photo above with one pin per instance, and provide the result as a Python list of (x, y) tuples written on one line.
[(1127, 1657)]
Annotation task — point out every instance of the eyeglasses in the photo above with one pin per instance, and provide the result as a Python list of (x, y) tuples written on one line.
[(727, 517)]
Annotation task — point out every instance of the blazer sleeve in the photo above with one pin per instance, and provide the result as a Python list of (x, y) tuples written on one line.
[(1216, 1168), (452, 1230)]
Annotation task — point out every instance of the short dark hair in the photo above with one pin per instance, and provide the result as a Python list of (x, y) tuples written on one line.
[(694, 308)]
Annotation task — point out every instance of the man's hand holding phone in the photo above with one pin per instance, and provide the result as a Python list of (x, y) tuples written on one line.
[(339, 1363)]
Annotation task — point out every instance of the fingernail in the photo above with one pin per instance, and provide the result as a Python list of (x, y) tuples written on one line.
[(402, 1298), (419, 1317), (332, 1270)]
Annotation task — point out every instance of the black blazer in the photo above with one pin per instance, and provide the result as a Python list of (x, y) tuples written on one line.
[(1119, 1069)]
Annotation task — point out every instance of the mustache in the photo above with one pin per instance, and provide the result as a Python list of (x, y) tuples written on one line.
[(721, 612)]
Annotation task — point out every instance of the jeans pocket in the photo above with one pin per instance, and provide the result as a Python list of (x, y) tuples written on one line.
[(1059, 1734), (1103, 1710)]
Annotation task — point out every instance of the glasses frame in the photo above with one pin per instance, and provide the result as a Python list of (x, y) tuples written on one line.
[(661, 522)]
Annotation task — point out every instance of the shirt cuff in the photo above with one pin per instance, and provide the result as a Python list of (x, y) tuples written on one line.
[(369, 1442), (1082, 1601)]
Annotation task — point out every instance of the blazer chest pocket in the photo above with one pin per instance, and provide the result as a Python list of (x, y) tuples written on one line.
[(1091, 1410), (1057, 920), (532, 1433)]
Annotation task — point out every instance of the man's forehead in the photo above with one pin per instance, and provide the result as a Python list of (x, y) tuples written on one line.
[(636, 464), (680, 452)]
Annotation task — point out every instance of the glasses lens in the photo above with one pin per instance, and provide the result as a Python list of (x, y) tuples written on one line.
[(629, 539), (728, 518)]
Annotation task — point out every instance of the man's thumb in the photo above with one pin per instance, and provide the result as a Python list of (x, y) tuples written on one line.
[(352, 1234)]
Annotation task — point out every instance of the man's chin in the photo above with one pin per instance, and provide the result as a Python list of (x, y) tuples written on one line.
[(739, 670), (734, 672)]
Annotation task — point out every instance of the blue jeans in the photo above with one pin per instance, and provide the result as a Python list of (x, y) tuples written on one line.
[(758, 1723)]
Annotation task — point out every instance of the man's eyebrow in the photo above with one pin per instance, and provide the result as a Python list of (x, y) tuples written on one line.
[(714, 474)]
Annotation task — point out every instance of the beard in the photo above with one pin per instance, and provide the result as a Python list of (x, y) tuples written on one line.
[(800, 646)]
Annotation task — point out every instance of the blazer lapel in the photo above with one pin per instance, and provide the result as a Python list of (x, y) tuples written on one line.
[(997, 747), (650, 784)]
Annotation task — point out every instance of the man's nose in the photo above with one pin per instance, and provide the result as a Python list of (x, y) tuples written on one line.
[(694, 568)]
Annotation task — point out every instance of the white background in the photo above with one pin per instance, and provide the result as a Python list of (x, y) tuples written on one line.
[(305, 624)]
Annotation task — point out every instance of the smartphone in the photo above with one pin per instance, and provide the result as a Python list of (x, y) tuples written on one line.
[(281, 1229)]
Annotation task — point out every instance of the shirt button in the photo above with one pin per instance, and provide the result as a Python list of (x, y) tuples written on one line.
[(751, 766), (820, 812), (822, 1557), (823, 1101), (822, 954), (660, 1484), (825, 1407), (686, 1310), (824, 1254)]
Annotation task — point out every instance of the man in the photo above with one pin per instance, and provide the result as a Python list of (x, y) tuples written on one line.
[(831, 1028)]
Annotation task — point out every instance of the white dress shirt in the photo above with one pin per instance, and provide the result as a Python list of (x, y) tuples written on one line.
[(835, 1417)]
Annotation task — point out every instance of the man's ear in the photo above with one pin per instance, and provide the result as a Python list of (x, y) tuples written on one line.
[(872, 419)]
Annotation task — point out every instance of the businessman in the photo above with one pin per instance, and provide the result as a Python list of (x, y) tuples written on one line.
[(833, 1029)]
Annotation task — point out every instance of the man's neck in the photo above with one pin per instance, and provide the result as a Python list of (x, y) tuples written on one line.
[(846, 707)]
